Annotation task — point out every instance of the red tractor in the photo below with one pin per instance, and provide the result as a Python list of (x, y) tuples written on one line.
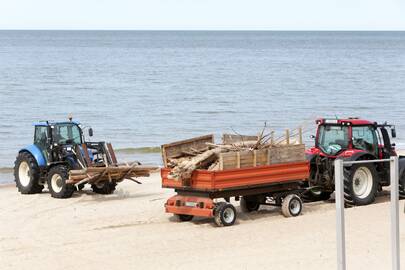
[(352, 139)]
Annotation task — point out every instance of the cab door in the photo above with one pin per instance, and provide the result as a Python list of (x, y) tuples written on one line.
[(365, 138), (42, 140)]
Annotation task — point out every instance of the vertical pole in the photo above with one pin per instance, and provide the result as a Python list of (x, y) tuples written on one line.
[(394, 213), (340, 216), (300, 135), (287, 136)]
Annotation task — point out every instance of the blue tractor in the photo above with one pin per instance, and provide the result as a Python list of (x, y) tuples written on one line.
[(58, 148)]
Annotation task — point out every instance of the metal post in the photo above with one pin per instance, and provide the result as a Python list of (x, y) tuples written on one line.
[(340, 216), (394, 212)]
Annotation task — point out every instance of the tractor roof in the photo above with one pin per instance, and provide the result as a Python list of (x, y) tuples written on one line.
[(51, 123), (350, 121)]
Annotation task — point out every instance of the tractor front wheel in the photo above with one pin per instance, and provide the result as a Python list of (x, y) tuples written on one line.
[(57, 185), (360, 184), (104, 188), (26, 174)]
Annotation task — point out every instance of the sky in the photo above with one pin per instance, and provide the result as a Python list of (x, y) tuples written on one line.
[(203, 14)]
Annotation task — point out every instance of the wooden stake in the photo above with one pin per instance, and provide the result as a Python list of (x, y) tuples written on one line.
[(254, 158), (300, 135), (287, 136)]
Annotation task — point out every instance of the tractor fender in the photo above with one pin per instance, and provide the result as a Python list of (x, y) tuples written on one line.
[(36, 153), (359, 156)]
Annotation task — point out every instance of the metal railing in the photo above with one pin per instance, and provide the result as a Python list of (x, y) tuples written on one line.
[(340, 217)]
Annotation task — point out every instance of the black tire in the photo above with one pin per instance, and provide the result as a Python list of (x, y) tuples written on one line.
[(184, 218), (224, 214), (57, 186), (30, 184), (104, 188), (353, 193), (249, 204), (313, 196), (291, 206), (402, 188)]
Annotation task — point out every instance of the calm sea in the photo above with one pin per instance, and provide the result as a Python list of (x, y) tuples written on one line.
[(145, 88)]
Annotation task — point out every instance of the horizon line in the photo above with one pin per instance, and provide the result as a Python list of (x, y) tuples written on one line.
[(213, 30)]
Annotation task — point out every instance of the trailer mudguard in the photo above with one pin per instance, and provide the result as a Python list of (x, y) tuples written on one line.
[(36, 153)]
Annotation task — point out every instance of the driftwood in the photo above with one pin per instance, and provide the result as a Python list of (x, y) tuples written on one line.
[(118, 173), (186, 167)]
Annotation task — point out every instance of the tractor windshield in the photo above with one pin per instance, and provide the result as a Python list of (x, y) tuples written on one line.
[(67, 134), (333, 139)]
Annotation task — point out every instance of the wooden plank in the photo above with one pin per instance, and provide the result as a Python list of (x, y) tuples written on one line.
[(221, 161), (300, 135), (254, 158), (86, 154), (176, 149), (235, 138), (112, 153), (237, 159)]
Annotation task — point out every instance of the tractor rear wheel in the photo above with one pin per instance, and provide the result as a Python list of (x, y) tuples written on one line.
[(57, 185), (360, 184), (104, 188), (26, 174), (402, 188)]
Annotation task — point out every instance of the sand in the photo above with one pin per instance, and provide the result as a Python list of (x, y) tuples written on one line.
[(130, 230)]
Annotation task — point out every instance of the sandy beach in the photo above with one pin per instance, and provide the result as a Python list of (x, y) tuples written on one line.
[(130, 230)]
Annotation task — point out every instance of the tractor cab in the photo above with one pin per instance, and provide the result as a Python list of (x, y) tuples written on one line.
[(351, 139), (54, 138), (347, 137)]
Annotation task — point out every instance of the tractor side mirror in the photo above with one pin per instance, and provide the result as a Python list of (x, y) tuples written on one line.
[(393, 133), (90, 132)]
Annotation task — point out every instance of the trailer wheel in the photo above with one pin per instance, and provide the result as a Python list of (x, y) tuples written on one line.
[(291, 206), (316, 195), (184, 218), (249, 204), (224, 214), (26, 174), (104, 188), (57, 185), (360, 184)]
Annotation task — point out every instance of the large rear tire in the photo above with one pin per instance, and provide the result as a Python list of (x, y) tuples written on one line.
[(402, 188), (26, 174), (360, 184), (104, 188), (57, 185)]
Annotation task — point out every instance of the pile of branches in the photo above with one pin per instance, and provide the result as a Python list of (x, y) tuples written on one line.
[(208, 158)]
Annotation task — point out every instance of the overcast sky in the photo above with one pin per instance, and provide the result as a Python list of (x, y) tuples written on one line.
[(204, 14)]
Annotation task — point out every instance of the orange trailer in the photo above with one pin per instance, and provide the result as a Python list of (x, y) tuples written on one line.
[(278, 184)]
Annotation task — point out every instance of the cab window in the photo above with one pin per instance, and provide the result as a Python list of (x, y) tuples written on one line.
[(41, 136), (66, 134), (364, 138)]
